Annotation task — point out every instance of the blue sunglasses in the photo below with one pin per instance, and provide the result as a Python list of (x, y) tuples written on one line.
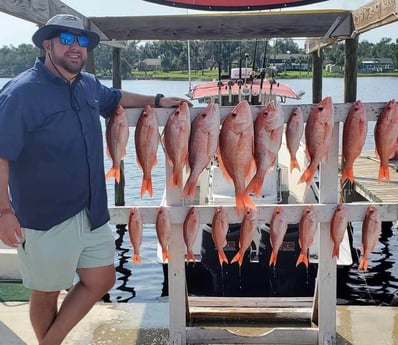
[(69, 39)]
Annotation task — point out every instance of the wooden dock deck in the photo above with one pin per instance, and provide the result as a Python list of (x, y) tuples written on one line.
[(366, 169)]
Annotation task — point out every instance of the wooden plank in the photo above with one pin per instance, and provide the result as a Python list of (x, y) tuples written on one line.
[(40, 11), (356, 212), (265, 315), (250, 302), (373, 110), (226, 26), (281, 335), (374, 14)]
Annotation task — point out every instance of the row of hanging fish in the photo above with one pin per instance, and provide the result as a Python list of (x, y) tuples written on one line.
[(371, 230), (247, 150)]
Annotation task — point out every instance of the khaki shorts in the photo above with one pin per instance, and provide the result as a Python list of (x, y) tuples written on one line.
[(48, 260)]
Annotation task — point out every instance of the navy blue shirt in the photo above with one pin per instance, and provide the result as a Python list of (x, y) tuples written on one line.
[(50, 132)]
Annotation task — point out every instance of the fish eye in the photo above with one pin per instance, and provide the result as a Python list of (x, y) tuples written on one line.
[(320, 108)]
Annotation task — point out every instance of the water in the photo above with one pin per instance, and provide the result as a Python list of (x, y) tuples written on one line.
[(143, 282)]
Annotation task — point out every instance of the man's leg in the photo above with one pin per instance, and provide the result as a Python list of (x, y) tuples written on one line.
[(43, 311), (94, 283)]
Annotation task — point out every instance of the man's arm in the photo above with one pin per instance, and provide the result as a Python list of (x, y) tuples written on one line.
[(10, 229), (135, 100)]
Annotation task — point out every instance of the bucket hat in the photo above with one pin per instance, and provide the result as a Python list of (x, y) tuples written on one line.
[(64, 22)]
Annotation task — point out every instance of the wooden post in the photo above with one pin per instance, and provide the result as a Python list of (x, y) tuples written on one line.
[(317, 76), (90, 63), (117, 83), (350, 70)]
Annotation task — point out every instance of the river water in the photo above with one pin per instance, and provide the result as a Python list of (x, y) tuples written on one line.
[(144, 282)]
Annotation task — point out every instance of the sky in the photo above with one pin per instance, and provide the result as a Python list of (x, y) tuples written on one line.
[(15, 31)]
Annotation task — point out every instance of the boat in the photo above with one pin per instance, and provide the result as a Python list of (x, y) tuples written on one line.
[(243, 83)]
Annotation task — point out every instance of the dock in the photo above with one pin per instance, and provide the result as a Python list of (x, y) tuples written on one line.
[(366, 169)]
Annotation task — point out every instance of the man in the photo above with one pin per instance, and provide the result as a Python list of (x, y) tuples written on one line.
[(52, 177)]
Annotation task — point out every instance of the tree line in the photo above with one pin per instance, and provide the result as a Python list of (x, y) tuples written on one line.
[(220, 55)]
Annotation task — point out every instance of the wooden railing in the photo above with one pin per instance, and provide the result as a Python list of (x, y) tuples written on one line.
[(324, 332)]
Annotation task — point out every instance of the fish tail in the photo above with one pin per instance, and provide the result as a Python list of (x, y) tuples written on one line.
[(347, 174), (113, 172), (302, 258), (244, 200), (294, 164), (165, 255), (255, 185), (136, 258), (237, 258), (191, 256), (336, 251), (384, 172), (363, 265), (189, 188), (222, 257), (176, 178), (308, 174), (273, 258), (146, 186)]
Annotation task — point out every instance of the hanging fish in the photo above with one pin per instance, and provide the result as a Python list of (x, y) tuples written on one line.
[(355, 130), (203, 143), (338, 227), (135, 228), (318, 137), (294, 133), (219, 230), (268, 131), (117, 135), (386, 134), (190, 231), (248, 229), (147, 139), (175, 139), (163, 231), (277, 232), (307, 228), (371, 230), (235, 153)]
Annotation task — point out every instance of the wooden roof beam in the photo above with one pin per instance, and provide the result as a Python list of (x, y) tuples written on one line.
[(40, 11)]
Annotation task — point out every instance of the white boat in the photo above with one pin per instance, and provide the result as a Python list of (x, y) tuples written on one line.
[(243, 84)]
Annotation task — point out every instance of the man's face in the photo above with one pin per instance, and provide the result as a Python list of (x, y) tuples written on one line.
[(71, 58)]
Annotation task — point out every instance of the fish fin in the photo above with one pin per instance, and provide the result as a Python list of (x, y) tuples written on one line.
[(237, 258), (146, 186), (191, 256), (222, 167), (384, 172), (136, 258), (302, 258), (336, 251), (244, 200), (113, 172), (294, 164), (273, 258), (256, 185), (222, 257), (363, 265), (347, 174)]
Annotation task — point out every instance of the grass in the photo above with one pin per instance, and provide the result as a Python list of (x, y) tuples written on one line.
[(213, 75)]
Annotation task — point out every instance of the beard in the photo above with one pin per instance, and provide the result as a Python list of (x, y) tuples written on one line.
[(74, 67)]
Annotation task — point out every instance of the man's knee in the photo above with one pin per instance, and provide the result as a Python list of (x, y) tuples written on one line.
[(100, 279)]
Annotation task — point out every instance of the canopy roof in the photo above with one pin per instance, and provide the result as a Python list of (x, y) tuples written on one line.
[(231, 26), (233, 5)]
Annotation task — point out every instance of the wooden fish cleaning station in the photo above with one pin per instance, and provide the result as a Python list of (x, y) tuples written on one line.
[(323, 28)]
